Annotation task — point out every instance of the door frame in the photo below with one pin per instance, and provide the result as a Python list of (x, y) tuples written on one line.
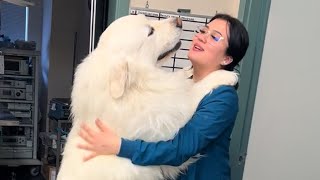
[(254, 15)]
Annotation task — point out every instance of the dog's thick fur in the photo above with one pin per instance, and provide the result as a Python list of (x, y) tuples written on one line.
[(121, 84)]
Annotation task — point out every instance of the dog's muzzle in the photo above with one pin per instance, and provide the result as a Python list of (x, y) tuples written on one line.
[(175, 48)]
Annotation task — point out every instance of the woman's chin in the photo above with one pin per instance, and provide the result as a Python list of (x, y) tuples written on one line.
[(192, 55)]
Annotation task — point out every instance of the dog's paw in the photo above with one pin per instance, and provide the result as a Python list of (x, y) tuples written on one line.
[(218, 78), (212, 81), (223, 77)]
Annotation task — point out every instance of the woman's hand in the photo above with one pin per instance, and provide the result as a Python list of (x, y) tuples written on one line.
[(101, 142)]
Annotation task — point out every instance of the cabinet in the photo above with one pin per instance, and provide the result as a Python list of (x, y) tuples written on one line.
[(19, 79)]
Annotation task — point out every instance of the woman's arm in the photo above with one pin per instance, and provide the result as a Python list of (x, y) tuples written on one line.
[(215, 113)]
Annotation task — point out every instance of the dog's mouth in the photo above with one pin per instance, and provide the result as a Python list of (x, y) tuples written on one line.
[(175, 48)]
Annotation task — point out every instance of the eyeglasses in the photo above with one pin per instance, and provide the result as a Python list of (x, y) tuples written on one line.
[(204, 30)]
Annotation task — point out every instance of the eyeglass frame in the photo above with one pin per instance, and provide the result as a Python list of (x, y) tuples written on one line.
[(208, 32)]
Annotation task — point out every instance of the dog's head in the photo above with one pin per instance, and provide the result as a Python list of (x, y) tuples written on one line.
[(135, 40), (139, 38)]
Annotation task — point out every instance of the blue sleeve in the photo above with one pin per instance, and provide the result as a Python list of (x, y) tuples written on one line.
[(216, 112)]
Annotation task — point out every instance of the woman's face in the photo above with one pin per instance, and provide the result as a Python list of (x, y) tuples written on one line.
[(208, 48)]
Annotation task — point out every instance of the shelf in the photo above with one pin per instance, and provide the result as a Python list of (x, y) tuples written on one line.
[(25, 125), (16, 76), (19, 52), (19, 162), (13, 123), (9, 123), (16, 101)]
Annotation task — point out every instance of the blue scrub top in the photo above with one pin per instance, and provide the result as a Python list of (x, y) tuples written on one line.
[(208, 133)]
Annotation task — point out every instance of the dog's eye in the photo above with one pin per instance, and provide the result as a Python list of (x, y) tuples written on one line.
[(151, 31)]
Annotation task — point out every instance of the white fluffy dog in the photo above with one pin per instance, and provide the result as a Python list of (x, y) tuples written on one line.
[(121, 83)]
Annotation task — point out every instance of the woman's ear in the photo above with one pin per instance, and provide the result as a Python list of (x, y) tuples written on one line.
[(227, 60)]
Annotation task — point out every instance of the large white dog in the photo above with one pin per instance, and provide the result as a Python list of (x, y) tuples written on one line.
[(121, 83)]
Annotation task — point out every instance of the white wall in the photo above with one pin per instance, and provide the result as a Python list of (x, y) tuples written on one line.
[(200, 7), (284, 141)]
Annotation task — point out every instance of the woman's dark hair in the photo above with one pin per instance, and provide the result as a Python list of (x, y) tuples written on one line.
[(238, 39)]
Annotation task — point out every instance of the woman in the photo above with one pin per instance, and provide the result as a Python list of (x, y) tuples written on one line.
[(219, 45)]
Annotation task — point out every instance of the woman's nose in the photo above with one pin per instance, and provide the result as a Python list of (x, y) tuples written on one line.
[(201, 37)]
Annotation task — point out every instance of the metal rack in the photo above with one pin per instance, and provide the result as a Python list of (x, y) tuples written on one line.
[(49, 137), (19, 81)]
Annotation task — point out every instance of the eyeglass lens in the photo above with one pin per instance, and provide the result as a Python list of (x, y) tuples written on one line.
[(204, 30)]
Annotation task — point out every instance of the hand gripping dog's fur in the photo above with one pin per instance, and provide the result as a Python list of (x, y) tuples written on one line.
[(121, 83)]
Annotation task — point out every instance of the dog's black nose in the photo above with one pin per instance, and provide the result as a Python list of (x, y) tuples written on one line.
[(179, 22)]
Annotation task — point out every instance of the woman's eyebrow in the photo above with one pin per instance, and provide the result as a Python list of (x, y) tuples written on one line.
[(213, 30), (217, 32)]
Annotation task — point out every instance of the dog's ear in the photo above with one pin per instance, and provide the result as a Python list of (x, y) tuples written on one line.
[(119, 80)]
